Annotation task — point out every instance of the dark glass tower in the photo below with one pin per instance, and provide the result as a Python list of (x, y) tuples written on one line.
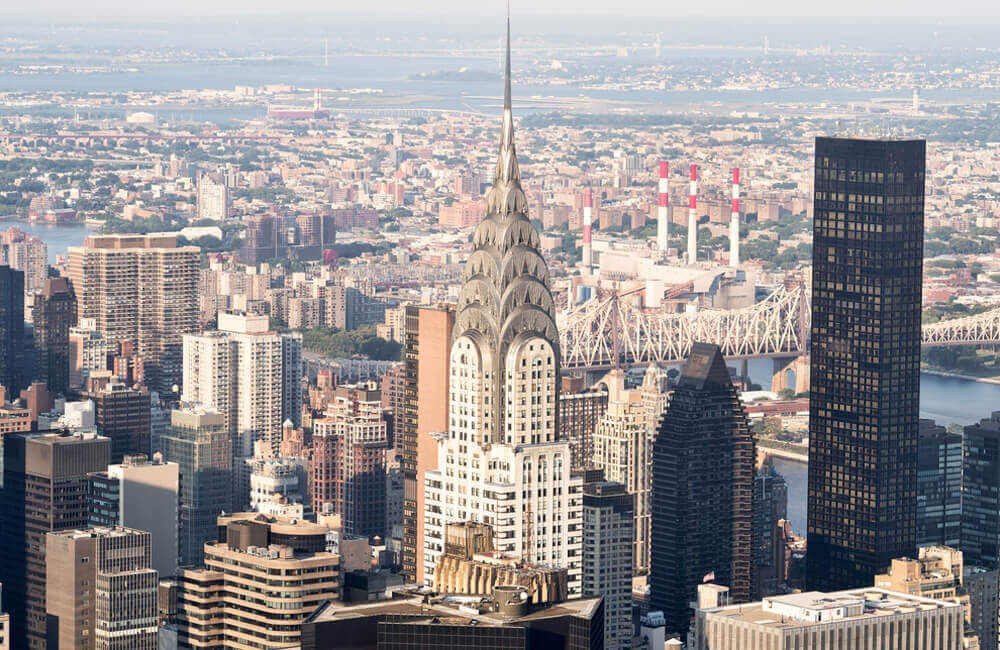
[(53, 314), (12, 339), (981, 492), (865, 375), (702, 500)]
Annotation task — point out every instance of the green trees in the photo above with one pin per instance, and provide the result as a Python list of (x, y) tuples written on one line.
[(350, 343)]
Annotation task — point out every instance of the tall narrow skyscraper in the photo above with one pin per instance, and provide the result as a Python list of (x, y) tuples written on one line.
[(865, 374), (703, 474), (53, 315), (12, 356), (501, 461)]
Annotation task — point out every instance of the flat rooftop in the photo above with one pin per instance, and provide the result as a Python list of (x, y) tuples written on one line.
[(446, 610), (870, 602)]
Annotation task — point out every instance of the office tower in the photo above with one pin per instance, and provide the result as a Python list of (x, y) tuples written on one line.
[(26, 253), (13, 374), (53, 314), (122, 415), (425, 410), (940, 572), (501, 461), (839, 620), (142, 289), (622, 449), (607, 565), (213, 199), (240, 370), (44, 490), (939, 486), (140, 494), (350, 444), (219, 605), (102, 589), (5, 630), (197, 440), (865, 361), (580, 410), (981, 492), (770, 506), (702, 492)]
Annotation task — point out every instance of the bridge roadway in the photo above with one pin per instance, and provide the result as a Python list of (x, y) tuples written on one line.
[(595, 333)]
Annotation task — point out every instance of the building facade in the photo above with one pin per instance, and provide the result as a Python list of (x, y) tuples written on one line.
[(866, 308), (702, 494), (102, 589), (843, 620), (141, 289), (770, 507), (122, 414), (252, 376), (580, 411), (981, 492), (939, 486), (608, 518), (53, 314), (349, 460), (425, 410), (218, 605), (141, 494), (198, 441), (44, 490), (13, 373), (501, 461)]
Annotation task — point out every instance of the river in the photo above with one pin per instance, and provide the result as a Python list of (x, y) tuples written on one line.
[(945, 400), (58, 237)]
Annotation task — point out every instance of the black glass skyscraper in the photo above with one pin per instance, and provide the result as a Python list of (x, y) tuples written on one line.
[(865, 373), (13, 374), (702, 491)]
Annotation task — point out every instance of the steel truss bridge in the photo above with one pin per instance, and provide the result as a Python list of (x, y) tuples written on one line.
[(617, 331)]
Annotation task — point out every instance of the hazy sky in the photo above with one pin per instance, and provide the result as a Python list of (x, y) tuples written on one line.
[(952, 8)]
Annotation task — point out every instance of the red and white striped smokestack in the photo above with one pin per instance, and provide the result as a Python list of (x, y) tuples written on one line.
[(692, 252), (588, 215), (734, 224), (663, 211)]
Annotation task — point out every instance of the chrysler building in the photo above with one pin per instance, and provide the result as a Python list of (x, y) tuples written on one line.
[(501, 461)]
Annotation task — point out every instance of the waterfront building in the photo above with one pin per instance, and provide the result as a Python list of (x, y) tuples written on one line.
[(141, 289), (702, 491), (981, 492), (864, 376), (770, 508)]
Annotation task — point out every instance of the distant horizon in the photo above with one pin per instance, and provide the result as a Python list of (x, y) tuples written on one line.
[(707, 9)]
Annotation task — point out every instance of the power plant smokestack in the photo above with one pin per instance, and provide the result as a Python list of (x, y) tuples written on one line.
[(663, 212), (588, 214), (692, 255), (316, 100), (734, 224)]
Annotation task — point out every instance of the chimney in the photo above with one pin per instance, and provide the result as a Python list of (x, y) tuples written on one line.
[(663, 211), (734, 224), (588, 215), (692, 252)]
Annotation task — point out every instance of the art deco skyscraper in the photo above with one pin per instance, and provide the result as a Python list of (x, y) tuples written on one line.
[(865, 374), (501, 461), (703, 473)]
